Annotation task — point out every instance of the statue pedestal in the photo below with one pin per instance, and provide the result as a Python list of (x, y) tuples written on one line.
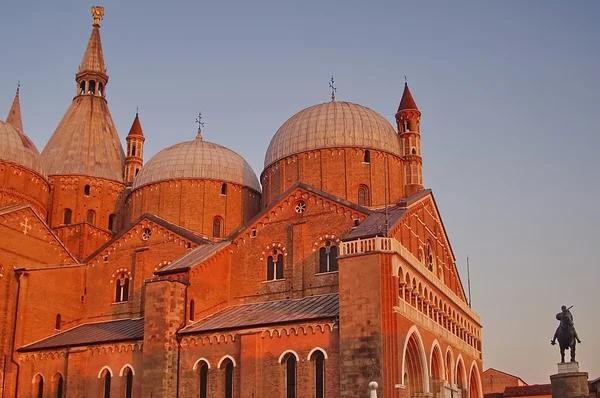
[(569, 382)]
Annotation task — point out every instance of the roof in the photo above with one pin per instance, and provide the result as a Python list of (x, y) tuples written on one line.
[(92, 333), (186, 233), (136, 127), (197, 159), (407, 102), (193, 258), (504, 373), (268, 313), (93, 58), (14, 114), (17, 148), (531, 390), (494, 395), (382, 221), (332, 125)]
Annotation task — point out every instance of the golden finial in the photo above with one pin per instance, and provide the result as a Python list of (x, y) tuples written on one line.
[(98, 14)]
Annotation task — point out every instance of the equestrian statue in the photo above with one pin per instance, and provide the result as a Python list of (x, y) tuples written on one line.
[(566, 334)]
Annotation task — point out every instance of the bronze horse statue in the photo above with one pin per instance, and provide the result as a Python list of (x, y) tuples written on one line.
[(566, 334)]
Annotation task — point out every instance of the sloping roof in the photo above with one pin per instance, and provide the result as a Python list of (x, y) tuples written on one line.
[(136, 127), (93, 58), (14, 114), (504, 373), (532, 390), (186, 233), (494, 395), (268, 313), (407, 101), (193, 258), (92, 333)]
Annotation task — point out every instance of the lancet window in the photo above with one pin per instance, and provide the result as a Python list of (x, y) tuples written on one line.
[(122, 288), (275, 266)]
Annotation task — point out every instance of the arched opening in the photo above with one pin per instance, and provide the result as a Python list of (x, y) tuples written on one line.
[(203, 380), (228, 378), (105, 379), (122, 288), (217, 227), (90, 217), (133, 150), (367, 157), (223, 189), (437, 370), (461, 375), (319, 360), (290, 375), (275, 266), (67, 216), (363, 196), (38, 386), (192, 309), (86, 190), (328, 257), (82, 88), (111, 222), (474, 385), (128, 375), (101, 89), (57, 322), (415, 366), (92, 87), (414, 151), (59, 385), (449, 367)]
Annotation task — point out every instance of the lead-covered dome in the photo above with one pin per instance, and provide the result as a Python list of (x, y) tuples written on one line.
[(197, 159), (17, 148), (333, 125)]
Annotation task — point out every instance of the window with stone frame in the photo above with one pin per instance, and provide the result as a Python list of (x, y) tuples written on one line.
[(122, 288), (217, 227), (275, 266), (38, 383), (67, 216), (328, 257), (90, 217), (105, 379), (128, 374), (318, 358), (363, 196), (430, 256), (290, 376), (228, 379), (203, 375)]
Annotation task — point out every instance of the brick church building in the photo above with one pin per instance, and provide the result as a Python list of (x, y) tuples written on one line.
[(188, 276)]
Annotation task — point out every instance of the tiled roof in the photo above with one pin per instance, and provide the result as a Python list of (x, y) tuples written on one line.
[(268, 313), (494, 395), (535, 389), (193, 258), (136, 127), (93, 58), (407, 101), (505, 373), (92, 333), (17, 148)]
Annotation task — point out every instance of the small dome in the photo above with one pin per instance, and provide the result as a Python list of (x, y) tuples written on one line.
[(197, 159), (333, 125), (17, 148)]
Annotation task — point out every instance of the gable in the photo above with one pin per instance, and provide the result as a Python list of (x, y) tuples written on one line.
[(27, 241)]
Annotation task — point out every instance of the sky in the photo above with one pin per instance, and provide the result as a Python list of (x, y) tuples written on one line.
[(509, 94)]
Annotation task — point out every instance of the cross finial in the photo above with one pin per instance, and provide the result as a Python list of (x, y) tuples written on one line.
[(137, 110), (98, 14), (333, 89), (405, 81), (200, 125), (18, 86)]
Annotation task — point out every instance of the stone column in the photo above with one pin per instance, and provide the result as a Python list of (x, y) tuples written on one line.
[(569, 382)]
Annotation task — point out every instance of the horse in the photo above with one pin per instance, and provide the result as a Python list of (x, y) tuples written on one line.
[(566, 336)]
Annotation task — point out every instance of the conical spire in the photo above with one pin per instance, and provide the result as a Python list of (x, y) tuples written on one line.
[(136, 127), (93, 58), (407, 102), (14, 114)]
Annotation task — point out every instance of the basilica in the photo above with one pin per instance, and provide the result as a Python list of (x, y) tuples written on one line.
[(187, 275)]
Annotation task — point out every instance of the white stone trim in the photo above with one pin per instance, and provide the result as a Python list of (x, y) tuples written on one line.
[(433, 345), (207, 363), (122, 371), (102, 370), (314, 350), (414, 330), (224, 358), (288, 352)]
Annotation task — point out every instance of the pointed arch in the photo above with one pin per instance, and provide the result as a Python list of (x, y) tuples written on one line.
[(475, 386), (37, 385), (283, 354), (461, 373), (121, 372), (436, 361), (315, 350), (103, 369), (414, 363), (197, 363), (449, 365), (223, 360)]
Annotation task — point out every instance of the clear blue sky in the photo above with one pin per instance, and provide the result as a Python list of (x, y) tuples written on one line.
[(509, 92)]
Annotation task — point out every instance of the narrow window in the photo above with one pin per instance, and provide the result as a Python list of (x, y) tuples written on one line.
[(57, 322), (133, 150), (86, 190), (363, 196), (367, 157), (223, 189), (323, 260), (217, 225), (408, 125), (137, 171), (270, 269), (39, 382), (128, 383), (106, 384), (290, 376), (319, 360), (90, 217), (279, 270), (204, 380), (414, 151), (82, 88), (229, 380), (328, 257), (333, 253), (59, 387), (92, 87), (100, 89), (122, 288), (191, 310), (67, 217), (111, 222)]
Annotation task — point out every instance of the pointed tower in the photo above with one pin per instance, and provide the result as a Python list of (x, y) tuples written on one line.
[(84, 156), (135, 150), (14, 114), (408, 119)]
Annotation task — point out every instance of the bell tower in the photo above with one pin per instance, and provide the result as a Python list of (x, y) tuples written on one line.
[(408, 118), (135, 150)]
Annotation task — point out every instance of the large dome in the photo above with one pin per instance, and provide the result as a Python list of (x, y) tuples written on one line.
[(17, 148), (332, 125), (197, 159)]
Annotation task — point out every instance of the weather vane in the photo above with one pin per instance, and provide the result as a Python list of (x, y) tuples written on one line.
[(200, 125), (98, 14), (333, 89)]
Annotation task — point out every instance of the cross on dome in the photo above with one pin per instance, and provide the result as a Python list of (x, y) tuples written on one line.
[(200, 125), (333, 89)]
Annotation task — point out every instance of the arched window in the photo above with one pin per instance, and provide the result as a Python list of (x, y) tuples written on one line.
[(90, 217), (290, 376), (133, 150), (363, 196), (105, 379), (367, 156), (228, 379), (38, 386), (191, 310), (128, 374), (408, 125), (86, 190), (319, 359), (100, 89), (328, 257), (414, 151), (223, 189), (217, 227), (82, 88), (111, 222), (122, 288), (430, 256), (92, 87), (275, 266), (59, 386), (67, 216), (137, 171), (57, 322), (203, 373)]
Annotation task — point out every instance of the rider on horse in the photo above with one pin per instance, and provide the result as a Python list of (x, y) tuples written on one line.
[(567, 316)]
